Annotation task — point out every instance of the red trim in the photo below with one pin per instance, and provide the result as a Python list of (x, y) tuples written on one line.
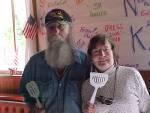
[(11, 97)]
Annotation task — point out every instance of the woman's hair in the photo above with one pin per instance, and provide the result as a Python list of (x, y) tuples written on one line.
[(101, 38)]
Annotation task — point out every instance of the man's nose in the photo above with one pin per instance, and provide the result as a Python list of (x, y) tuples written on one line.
[(56, 30)]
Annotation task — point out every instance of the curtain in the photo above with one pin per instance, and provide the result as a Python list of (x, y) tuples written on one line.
[(31, 44)]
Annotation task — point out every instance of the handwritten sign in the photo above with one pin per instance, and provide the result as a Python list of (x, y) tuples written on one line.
[(126, 21)]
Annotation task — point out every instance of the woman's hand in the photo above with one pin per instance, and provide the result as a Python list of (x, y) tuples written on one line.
[(89, 108)]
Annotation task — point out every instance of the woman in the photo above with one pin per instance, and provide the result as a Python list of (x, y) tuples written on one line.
[(125, 90)]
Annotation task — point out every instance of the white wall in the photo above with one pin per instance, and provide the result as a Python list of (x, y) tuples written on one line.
[(127, 20)]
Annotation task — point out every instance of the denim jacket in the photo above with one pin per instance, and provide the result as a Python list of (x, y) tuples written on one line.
[(57, 95)]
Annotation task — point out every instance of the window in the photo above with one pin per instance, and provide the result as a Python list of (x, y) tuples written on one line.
[(12, 42)]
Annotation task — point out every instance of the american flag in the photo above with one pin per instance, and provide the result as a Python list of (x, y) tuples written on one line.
[(30, 29)]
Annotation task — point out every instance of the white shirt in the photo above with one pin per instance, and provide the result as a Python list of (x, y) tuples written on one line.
[(130, 95)]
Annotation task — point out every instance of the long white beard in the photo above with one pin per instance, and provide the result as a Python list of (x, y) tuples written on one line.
[(59, 53)]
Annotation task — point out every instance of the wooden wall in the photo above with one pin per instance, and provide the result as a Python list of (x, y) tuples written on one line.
[(9, 88), (10, 99), (9, 84)]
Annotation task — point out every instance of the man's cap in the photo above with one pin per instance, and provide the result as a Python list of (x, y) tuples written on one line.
[(57, 15)]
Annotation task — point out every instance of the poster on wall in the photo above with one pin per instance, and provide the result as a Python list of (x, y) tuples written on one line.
[(126, 21)]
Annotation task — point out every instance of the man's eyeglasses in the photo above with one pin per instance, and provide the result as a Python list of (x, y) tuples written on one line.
[(104, 100)]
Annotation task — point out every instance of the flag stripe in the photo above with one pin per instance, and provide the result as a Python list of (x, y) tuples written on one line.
[(25, 28), (33, 31)]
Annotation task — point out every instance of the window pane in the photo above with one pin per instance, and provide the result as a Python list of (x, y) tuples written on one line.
[(20, 13), (6, 34), (7, 44)]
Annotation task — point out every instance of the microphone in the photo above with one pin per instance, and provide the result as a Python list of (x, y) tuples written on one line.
[(34, 92), (97, 80)]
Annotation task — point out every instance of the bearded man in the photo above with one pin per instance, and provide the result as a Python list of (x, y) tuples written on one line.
[(58, 71)]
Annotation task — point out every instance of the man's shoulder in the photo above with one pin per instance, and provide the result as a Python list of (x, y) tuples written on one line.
[(78, 51), (80, 56), (38, 55)]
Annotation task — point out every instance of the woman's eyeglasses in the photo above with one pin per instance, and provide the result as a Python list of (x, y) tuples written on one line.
[(97, 52), (104, 100)]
